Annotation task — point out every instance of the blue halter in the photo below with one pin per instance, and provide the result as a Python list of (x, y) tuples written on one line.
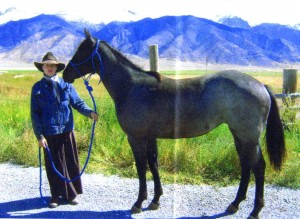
[(92, 56)]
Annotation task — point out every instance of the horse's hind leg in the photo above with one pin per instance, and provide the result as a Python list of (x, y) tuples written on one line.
[(242, 191), (245, 177), (251, 159), (153, 165), (259, 174), (139, 149), (257, 164)]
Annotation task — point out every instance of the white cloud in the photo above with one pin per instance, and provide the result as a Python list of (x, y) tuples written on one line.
[(96, 11)]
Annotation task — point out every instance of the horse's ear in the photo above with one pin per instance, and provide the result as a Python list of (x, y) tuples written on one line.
[(87, 33)]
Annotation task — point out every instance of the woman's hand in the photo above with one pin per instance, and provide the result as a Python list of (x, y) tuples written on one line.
[(43, 143), (94, 116)]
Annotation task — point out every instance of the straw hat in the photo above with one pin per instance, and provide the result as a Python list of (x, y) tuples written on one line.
[(49, 58)]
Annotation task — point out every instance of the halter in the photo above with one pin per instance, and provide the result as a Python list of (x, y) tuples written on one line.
[(90, 89), (92, 56)]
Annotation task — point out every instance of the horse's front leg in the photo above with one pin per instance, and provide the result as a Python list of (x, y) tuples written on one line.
[(153, 165), (139, 149)]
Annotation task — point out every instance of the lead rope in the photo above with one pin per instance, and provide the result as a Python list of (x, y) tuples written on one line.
[(90, 89)]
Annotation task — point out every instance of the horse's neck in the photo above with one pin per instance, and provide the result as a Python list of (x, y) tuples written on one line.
[(117, 77)]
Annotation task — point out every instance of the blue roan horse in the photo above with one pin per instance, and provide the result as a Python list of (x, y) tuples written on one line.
[(150, 106)]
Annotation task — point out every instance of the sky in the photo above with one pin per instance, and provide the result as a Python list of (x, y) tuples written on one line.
[(284, 12)]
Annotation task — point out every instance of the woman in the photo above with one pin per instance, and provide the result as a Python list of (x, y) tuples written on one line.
[(52, 101)]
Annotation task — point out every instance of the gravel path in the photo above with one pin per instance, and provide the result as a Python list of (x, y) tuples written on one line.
[(112, 197)]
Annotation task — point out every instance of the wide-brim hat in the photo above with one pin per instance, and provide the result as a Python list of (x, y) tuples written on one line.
[(49, 58)]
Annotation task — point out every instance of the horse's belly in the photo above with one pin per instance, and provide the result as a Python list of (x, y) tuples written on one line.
[(166, 127), (184, 129)]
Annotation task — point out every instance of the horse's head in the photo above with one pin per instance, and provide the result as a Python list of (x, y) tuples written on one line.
[(81, 62)]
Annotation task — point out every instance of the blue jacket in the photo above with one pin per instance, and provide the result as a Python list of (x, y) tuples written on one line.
[(50, 116)]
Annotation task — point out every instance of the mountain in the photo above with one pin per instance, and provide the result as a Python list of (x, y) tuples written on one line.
[(190, 38), (234, 22), (286, 41), (296, 26), (28, 40), (185, 38)]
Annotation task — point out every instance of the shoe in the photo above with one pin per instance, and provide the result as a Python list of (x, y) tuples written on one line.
[(53, 203), (73, 202)]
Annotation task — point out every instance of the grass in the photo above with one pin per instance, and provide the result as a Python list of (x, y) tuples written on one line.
[(209, 159)]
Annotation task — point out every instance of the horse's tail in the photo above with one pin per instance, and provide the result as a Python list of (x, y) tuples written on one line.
[(275, 135)]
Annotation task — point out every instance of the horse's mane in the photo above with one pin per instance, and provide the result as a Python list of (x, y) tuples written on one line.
[(122, 58)]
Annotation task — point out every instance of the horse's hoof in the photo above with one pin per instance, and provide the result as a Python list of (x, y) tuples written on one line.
[(153, 206), (232, 209), (135, 210), (252, 217)]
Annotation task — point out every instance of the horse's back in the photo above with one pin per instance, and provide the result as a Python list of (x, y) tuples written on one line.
[(237, 89)]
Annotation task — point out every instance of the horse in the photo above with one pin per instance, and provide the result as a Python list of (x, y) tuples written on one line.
[(150, 106)]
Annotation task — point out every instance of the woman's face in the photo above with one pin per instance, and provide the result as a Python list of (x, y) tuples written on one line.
[(50, 69)]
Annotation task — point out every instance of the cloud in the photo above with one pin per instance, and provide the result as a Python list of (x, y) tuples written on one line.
[(131, 12)]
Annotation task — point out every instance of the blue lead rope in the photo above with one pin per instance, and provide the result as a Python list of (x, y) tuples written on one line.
[(40, 162), (90, 89)]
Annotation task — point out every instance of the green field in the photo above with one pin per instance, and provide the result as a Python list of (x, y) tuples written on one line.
[(209, 159)]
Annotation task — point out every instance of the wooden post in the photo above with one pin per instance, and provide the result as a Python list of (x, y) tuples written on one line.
[(289, 81), (153, 53), (289, 86)]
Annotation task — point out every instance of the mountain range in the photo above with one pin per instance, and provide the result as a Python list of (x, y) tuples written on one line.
[(231, 40)]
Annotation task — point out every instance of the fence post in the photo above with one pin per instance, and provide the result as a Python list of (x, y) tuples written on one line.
[(153, 53), (289, 86), (289, 81)]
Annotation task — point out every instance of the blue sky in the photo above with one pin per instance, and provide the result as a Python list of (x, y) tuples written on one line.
[(97, 11)]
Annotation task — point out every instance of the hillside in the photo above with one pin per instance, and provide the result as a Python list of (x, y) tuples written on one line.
[(186, 38)]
